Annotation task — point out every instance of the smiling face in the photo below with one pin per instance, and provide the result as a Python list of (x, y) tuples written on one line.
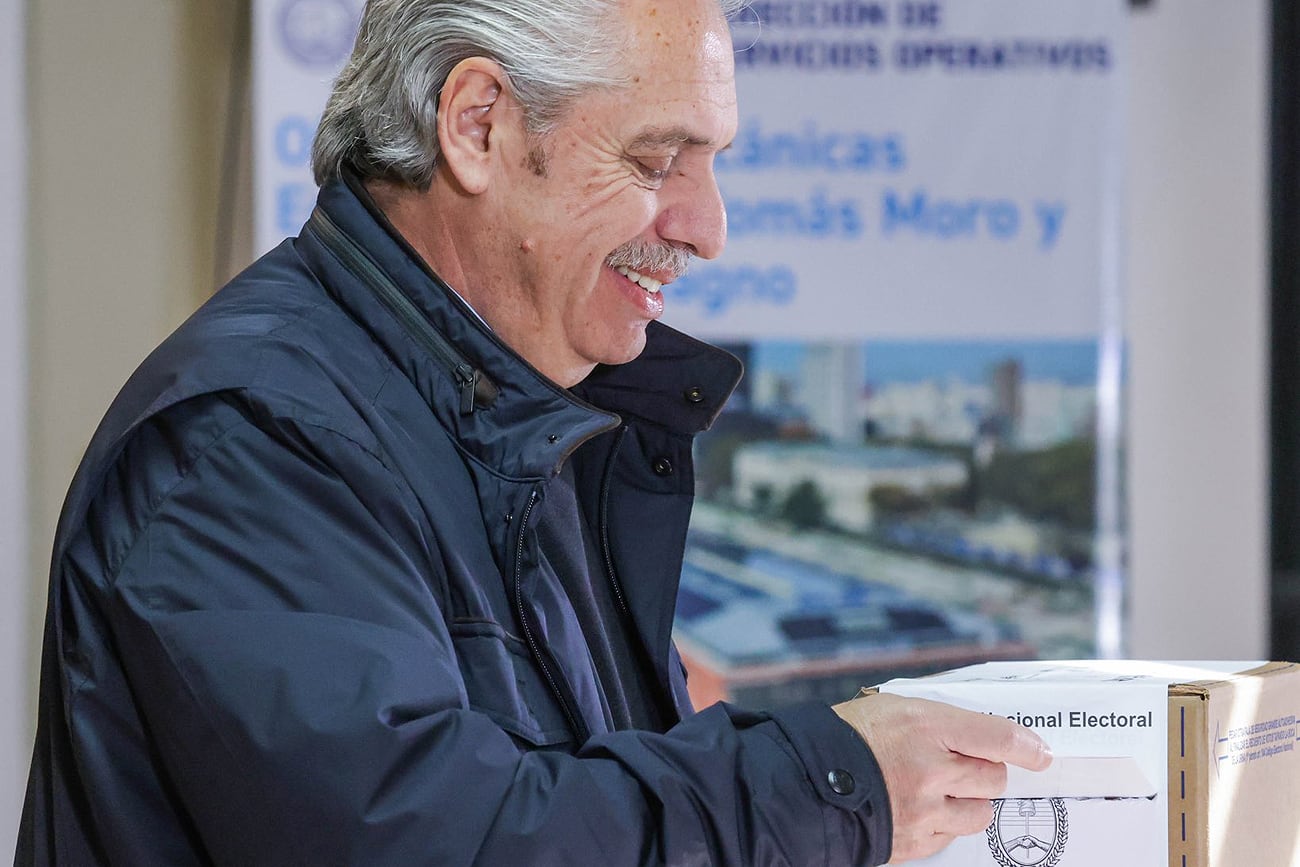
[(579, 229)]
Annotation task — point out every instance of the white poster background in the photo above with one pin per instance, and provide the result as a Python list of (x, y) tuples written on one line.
[(918, 169)]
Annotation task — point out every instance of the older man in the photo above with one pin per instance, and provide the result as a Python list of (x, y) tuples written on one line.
[(374, 560)]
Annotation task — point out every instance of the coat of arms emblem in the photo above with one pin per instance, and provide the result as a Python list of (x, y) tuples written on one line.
[(1028, 833)]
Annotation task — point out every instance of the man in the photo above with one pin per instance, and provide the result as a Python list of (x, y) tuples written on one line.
[(374, 560)]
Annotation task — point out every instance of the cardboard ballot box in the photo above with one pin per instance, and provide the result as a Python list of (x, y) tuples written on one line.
[(1190, 764)]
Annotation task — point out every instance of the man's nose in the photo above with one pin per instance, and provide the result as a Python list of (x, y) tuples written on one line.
[(695, 216)]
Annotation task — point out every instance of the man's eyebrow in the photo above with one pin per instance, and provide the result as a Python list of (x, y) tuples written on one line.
[(671, 135)]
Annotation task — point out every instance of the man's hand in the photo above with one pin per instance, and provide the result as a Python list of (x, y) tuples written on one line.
[(942, 765)]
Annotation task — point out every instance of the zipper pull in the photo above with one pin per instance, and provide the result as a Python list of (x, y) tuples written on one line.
[(468, 378)]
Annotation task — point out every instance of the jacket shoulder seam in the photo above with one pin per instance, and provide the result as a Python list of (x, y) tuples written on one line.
[(157, 503)]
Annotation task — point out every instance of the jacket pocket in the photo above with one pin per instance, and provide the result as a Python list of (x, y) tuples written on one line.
[(504, 684)]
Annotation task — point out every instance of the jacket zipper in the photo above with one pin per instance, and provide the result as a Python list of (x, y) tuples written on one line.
[(605, 484), (360, 263), (576, 725)]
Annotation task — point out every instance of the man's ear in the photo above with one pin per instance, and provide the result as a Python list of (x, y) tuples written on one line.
[(472, 117)]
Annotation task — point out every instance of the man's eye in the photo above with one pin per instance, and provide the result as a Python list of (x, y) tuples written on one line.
[(655, 169)]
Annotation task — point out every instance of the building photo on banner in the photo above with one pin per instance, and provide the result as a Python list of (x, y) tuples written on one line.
[(921, 467)]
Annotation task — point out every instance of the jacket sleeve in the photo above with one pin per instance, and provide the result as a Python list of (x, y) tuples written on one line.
[(290, 662)]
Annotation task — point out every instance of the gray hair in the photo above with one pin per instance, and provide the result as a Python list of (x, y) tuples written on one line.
[(381, 118)]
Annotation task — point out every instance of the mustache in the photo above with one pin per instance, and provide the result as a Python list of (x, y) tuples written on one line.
[(644, 257)]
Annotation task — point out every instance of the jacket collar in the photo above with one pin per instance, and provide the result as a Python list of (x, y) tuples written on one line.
[(530, 424)]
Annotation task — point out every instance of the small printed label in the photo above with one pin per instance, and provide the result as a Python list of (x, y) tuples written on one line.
[(1266, 739)]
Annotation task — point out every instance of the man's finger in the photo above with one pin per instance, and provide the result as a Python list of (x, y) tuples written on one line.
[(977, 778), (967, 815), (999, 740)]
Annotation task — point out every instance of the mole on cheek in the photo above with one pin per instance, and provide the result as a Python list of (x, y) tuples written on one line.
[(527, 245)]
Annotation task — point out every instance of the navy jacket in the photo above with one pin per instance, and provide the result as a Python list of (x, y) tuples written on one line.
[(297, 613)]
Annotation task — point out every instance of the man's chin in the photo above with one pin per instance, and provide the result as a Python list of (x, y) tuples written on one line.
[(628, 350)]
